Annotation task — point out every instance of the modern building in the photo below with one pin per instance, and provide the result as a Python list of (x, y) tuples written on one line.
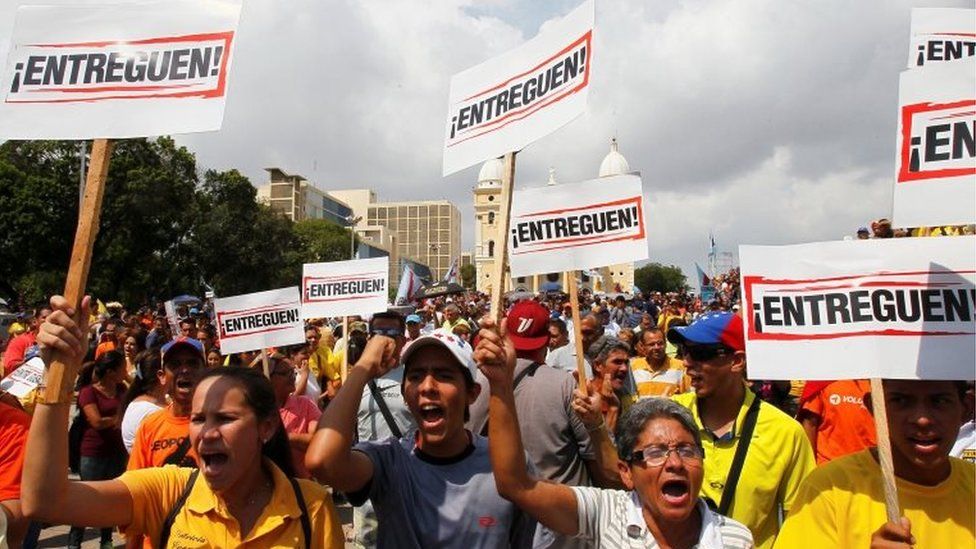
[(426, 231), (487, 197), (297, 199)]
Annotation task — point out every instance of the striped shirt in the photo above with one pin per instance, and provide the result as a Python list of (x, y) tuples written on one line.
[(613, 519), (669, 380)]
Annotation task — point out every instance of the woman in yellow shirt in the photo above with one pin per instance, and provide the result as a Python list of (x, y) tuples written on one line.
[(242, 493)]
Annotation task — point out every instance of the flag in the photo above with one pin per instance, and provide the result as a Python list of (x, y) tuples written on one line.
[(452, 273), (705, 288), (703, 279), (410, 283), (711, 245)]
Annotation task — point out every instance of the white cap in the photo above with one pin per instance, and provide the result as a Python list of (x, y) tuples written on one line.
[(443, 337)]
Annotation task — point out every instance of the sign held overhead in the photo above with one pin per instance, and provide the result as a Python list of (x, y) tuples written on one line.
[(343, 288), (118, 70), (509, 101), (892, 308), (941, 36), (260, 320), (577, 226)]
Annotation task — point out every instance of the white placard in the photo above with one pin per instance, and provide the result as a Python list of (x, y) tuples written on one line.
[(901, 308), (118, 70), (251, 322), (935, 178), (941, 35), (345, 288), (25, 378), (511, 100), (577, 226)]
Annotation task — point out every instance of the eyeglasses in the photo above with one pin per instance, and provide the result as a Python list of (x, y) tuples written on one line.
[(655, 455), (388, 332), (702, 353)]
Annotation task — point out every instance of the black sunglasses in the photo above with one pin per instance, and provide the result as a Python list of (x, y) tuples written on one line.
[(703, 353), (388, 332)]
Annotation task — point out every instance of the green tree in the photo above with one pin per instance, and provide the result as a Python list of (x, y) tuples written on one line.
[(321, 240), (468, 276), (655, 277)]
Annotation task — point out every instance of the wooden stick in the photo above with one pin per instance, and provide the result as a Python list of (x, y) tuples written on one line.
[(884, 450), (60, 378), (577, 333), (501, 241), (266, 363), (344, 370)]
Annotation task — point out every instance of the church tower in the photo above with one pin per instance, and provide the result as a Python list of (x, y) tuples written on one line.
[(620, 277)]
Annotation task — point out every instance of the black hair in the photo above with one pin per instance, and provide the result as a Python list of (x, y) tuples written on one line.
[(109, 361), (292, 350), (259, 395), (148, 364), (392, 315), (560, 325)]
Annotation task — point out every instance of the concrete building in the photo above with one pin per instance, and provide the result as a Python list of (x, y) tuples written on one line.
[(297, 198), (428, 231), (487, 195)]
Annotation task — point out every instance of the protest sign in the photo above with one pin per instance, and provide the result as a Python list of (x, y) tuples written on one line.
[(117, 70), (885, 308), (577, 225), (341, 288), (25, 378), (511, 100), (935, 181), (941, 36), (260, 320)]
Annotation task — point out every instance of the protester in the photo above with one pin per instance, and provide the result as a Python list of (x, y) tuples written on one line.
[(14, 424), (433, 487), (561, 355), (133, 342), (836, 420), (324, 376), (145, 396), (612, 380), (246, 495), (452, 316), (299, 414), (777, 453), (214, 359), (102, 452), (413, 327), (159, 333), (660, 463), (842, 504), (594, 338), (965, 446), (18, 347), (655, 373)]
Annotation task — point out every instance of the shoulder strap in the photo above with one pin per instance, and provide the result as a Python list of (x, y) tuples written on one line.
[(175, 510), (384, 409), (306, 524), (749, 425), (528, 371)]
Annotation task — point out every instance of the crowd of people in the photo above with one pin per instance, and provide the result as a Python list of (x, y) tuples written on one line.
[(449, 428)]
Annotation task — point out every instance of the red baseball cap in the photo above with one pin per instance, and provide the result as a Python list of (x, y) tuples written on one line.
[(528, 325)]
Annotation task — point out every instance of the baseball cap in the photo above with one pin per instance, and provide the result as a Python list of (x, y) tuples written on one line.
[(863, 230), (528, 325), (443, 337), (413, 318), (183, 342), (711, 328)]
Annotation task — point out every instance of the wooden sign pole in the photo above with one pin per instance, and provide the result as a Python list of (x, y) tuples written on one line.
[(265, 363), (60, 380), (880, 409), (500, 270), (577, 333)]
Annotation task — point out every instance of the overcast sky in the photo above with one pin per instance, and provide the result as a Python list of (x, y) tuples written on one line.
[(766, 122)]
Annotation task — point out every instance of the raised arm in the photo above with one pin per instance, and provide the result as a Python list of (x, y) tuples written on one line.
[(554, 505), (330, 455), (588, 406), (46, 493)]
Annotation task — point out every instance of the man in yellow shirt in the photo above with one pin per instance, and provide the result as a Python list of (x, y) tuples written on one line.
[(655, 373), (842, 503), (777, 454)]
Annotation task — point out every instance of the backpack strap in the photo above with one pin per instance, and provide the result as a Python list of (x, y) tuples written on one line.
[(385, 409), (175, 510), (306, 523), (749, 425), (528, 371)]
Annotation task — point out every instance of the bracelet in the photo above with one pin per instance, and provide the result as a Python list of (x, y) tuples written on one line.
[(597, 427)]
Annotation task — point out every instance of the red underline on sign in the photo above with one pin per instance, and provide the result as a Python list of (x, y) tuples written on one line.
[(865, 333), (952, 34), (344, 298), (579, 238), (763, 281), (617, 239), (257, 333), (289, 305), (112, 88), (874, 284), (583, 38), (586, 207), (355, 276), (159, 40), (957, 115)]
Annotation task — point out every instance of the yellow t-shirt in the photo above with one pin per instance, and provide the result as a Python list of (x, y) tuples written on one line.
[(778, 460), (205, 522), (842, 504), (324, 363), (669, 380)]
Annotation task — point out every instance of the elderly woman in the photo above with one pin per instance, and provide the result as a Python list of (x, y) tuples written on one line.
[(659, 457)]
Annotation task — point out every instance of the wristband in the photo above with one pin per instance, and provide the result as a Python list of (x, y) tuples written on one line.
[(597, 427)]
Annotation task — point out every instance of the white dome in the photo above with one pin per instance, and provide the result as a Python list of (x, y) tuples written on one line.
[(614, 163), (491, 172)]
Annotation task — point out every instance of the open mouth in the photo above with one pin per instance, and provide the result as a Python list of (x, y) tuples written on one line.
[(213, 462), (676, 492), (925, 444), (431, 414), (184, 383)]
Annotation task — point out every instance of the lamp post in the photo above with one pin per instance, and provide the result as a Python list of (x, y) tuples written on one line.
[(351, 223)]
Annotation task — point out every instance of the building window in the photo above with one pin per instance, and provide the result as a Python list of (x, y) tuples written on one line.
[(491, 248), (491, 218)]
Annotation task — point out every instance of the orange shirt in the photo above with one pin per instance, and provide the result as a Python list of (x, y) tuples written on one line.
[(846, 426), (14, 425), (158, 438)]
